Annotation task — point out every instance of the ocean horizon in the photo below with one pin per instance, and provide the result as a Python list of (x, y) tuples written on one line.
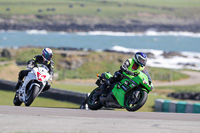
[(100, 40), (185, 43)]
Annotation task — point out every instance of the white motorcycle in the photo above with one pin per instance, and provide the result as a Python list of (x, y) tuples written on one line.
[(32, 85)]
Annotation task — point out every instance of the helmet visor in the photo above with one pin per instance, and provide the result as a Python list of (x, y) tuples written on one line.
[(142, 61), (47, 56)]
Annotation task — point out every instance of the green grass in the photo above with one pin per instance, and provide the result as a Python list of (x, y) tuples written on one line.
[(87, 71), (6, 98), (72, 87), (92, 64), (152, 96), (96, 63), (5, 59), (188, 88), (166, 74), (109, 9), (24, 55)]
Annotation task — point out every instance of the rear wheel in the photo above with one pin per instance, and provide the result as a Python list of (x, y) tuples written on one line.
[(16, 100), (31, 95), (94, 101), (134, 102)]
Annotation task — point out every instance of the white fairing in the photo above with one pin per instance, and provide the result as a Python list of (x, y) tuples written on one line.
[(40, 74)]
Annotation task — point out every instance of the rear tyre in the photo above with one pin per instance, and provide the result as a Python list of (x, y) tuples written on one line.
[(16, 100), (132, 103), (31, 95), (94, 101)]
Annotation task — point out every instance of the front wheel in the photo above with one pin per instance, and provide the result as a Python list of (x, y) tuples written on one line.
[(31, 95), (93, 100), (16, 100), (134, 102)]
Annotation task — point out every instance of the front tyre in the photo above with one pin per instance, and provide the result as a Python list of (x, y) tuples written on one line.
[(93, 100), (133, 102), (31, 95)]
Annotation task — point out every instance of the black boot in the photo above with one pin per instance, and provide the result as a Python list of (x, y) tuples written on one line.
[(18, 85), (106, 88)]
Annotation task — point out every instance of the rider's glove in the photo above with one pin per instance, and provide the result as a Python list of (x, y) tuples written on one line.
[(130, 73), (117, 76), (29, 67)]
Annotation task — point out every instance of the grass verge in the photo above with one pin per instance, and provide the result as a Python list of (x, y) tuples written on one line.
[(6, 98), (103, 9), (190, 88)]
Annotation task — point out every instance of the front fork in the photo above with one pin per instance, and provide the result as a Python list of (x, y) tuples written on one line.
[(22, 91), (135, 96)]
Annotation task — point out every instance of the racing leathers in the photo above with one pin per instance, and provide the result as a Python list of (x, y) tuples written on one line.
[(37, 60), (130, 67)]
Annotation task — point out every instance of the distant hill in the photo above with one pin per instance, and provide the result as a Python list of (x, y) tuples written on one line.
[(78, 64), (103, 15)]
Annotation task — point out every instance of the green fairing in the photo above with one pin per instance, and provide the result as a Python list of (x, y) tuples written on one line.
[(119, 89)]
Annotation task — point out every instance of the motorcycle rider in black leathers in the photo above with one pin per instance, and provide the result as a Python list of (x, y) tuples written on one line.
[(44, 59)]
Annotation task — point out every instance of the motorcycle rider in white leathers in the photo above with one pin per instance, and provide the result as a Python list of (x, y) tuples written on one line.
[(44, 59)]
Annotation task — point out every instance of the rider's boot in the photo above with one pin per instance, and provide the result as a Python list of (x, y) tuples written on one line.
[(106, 88)]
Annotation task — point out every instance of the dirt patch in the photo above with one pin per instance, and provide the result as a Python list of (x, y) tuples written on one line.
[(9, 72)]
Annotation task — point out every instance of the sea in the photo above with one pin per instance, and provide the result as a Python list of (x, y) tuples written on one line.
[(185, 43)]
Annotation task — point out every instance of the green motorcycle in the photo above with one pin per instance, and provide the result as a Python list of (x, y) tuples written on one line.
[(130, 92)]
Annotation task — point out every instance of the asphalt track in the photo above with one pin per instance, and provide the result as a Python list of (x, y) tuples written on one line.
[(52, 120)]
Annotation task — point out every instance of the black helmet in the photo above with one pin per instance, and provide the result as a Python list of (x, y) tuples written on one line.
[(141, 59)]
